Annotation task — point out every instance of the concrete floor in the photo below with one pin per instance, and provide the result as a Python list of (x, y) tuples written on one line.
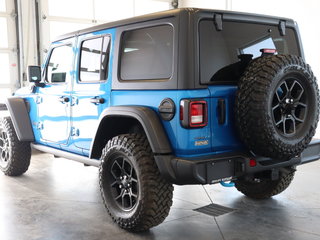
[(59, 199)]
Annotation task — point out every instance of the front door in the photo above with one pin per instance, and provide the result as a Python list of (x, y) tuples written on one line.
[(54, 98)]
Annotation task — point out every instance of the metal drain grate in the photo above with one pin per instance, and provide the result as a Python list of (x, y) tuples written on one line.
[(214, 210)]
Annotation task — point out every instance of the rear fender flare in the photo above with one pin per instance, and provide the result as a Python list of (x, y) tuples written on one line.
[(146, 117)]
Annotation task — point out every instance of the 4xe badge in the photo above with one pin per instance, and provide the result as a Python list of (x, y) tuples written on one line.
[(201, 143)]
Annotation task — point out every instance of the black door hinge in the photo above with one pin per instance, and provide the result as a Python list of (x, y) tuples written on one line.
[(282, 27), (218, 21)]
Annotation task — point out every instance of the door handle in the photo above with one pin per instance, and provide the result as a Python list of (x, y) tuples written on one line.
[(97, 100), (64, 99)]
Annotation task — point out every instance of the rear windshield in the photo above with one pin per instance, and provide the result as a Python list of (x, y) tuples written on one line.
[(221, 51)]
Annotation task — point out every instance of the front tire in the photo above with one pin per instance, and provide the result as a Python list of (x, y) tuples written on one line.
[(136, 196), (14, 154)]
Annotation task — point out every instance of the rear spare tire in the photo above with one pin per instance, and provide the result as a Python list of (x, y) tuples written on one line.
[(260, 187), (277, 106)]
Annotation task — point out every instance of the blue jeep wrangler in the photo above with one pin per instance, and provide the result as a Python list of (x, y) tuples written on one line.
[(186, 96)]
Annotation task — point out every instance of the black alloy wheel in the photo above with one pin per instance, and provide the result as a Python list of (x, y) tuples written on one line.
[(133, 191), (289, 106), (123, 182), (5, 148), (277, 106)]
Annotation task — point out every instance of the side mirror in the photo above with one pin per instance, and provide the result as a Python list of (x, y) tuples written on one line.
[(34, 74)]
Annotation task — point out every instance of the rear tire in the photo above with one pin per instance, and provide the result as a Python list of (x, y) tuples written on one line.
[(136, 196), (259, 188), (14, 154)]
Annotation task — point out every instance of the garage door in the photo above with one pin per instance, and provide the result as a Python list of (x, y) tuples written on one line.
[(75, 14), (8, 50)]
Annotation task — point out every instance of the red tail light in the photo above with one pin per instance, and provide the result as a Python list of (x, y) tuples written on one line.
[(198, 114), (193, 114), (252, 163)]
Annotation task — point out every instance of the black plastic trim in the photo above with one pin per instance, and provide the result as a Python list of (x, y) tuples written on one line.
[(227, 166), (20, 118), (282, 27), (146, 117), (167, 109), (218, 21), (184, 106), (222, 111), (205, 170)]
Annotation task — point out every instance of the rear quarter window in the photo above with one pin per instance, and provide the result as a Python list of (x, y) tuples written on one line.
[(147, 54)]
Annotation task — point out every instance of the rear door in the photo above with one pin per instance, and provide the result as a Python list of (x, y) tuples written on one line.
[(91, 90)]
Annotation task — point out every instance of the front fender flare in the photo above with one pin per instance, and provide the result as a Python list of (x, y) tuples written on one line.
[(149, 121), (20, 118)]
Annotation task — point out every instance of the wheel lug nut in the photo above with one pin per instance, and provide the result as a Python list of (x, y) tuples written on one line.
[(120, 186)]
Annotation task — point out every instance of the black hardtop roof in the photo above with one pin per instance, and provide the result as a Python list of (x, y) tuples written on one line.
[(172, 13)]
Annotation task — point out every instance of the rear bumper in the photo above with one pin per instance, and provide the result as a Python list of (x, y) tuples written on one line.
[(228, 166)]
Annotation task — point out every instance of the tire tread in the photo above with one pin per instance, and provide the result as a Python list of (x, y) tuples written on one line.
[(157, 200), (252, 118), (266, 189), (21, 151)]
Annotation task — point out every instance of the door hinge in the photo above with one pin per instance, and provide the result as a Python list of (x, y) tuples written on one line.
[(39, 125), (282, 27), (218, 21), (38, 99), (75, 132), (74, 101)]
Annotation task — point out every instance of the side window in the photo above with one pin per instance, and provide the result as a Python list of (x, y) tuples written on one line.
[(147, 54), (94, 59), (60, 64)]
